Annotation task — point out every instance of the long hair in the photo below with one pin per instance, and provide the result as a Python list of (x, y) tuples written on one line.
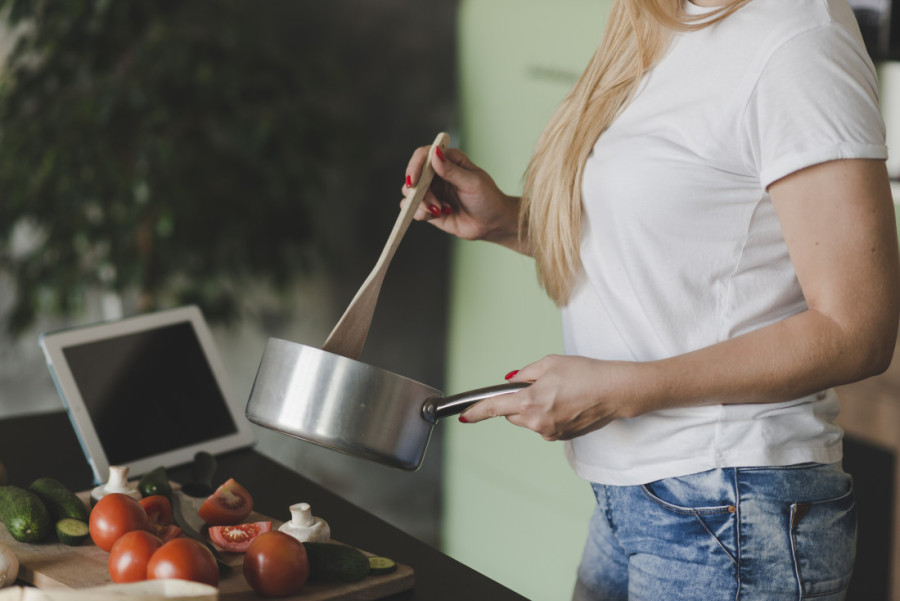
[(636, 36)]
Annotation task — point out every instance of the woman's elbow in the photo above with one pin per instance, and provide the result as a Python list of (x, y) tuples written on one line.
[(881, 359), (880, 348)]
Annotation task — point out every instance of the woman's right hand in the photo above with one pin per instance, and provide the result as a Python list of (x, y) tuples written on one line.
[(463, 199)]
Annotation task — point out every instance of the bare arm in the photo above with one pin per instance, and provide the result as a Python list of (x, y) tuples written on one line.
[(839, 225), (838, 222)]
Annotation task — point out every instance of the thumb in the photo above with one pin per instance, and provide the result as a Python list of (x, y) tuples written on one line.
[(529, 373)]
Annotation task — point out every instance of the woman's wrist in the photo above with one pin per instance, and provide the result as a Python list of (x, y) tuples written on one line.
[(647, 386), (505, 230)]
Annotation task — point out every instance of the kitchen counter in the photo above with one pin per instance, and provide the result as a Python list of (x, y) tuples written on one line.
[(45, 445)]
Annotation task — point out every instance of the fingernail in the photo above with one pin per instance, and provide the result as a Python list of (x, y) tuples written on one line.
[(440, 155), (436, 211), (511, 374), (462, 419), (446, 210), (409, 181)]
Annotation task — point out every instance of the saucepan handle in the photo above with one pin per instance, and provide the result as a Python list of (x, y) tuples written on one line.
[(437, 407)]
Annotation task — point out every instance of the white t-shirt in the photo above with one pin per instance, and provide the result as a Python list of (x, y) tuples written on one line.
[(681, 246)]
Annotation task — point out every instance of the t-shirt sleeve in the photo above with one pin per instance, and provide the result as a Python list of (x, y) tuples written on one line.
[(816, 101)]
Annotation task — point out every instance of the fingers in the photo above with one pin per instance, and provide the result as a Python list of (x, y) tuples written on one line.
[(533, 371), (502, 405), (432, 207), (534, 407), (520, 409), (427, 209), (487, 408), (414, 168)]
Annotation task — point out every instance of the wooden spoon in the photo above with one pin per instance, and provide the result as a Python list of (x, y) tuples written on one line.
[(349, 335)]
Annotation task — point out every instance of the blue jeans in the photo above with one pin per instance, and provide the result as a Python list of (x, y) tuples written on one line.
[(766, 534)]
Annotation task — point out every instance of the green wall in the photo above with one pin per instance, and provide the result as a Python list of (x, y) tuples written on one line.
[(513, 509)]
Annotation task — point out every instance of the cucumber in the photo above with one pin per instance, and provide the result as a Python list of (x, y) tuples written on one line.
[(24, 514), (381, 565), (332, 562), (59, 500), (72, 532)]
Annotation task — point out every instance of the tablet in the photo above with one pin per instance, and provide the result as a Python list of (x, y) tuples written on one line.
[(145, 391)]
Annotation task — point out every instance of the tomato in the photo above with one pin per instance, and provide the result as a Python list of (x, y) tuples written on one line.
[(237, 538), (228, 505), (130, 554), (186, 559), (158, 508), (276, 565), (114, 515)]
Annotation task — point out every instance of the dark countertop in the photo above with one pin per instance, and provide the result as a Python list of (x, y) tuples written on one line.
[(45, 445)]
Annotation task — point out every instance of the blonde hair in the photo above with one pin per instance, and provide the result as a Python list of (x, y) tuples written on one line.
[(636, 36)]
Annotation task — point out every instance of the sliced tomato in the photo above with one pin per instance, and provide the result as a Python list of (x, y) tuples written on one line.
[(228, 505), (166, 533), (158, 508), (237, 538)]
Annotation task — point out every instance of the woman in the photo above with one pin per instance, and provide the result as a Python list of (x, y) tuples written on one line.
[(709, 207)]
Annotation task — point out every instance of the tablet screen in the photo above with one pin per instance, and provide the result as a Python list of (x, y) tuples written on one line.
[(157, 381), (146, 391)]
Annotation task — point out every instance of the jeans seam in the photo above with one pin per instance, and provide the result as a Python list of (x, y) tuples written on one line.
[(796, 561), (782, 468), (794, 551), (609, 516), (737, 534)]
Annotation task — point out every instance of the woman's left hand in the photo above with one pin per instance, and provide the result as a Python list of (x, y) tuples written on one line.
[(569, 396)]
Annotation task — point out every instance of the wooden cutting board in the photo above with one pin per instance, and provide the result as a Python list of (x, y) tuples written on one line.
[(53, 565)]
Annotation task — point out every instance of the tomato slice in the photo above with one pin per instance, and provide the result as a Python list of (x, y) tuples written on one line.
[(228, 505), (158, 508), (237, 538), (166, 533)]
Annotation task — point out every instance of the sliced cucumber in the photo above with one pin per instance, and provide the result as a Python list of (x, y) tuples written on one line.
[(381, 565), (72, 532)]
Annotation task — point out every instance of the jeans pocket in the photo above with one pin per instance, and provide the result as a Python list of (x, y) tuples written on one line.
[(698, 510), (823, 543)]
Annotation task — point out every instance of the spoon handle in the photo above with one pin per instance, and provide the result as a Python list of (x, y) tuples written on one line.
[(349, 335)]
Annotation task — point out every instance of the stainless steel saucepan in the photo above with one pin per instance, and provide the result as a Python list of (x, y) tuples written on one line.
[(350, 406)]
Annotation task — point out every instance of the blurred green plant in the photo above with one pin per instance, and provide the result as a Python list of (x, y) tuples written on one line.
[(159, 148)]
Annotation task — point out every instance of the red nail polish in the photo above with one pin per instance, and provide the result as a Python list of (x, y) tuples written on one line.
[(436, 211), (463, 420), (446, 210), (409, 181), (440, 155), (511, 374)]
